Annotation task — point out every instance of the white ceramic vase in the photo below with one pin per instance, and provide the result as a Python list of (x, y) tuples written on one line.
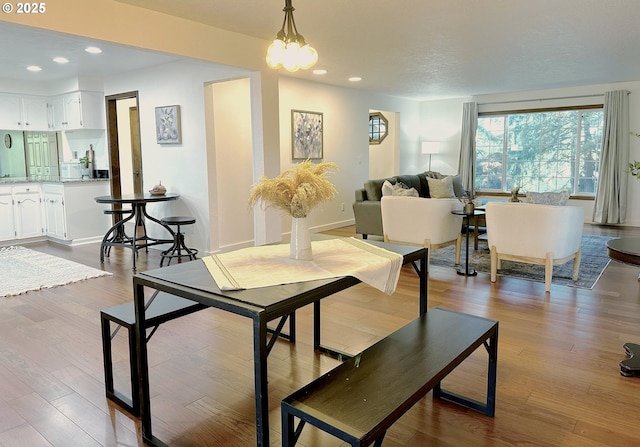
[(300, 245)]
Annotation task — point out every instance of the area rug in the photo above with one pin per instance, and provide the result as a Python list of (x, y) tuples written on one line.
[(594, 260), (23, 270)]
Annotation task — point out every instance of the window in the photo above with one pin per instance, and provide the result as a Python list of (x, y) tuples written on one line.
[(377, 127), (541, 150)]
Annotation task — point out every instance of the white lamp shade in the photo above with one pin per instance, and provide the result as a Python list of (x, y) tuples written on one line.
[(430, 147)]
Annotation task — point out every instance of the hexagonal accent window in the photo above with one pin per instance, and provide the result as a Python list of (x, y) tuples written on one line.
[(378, 125)]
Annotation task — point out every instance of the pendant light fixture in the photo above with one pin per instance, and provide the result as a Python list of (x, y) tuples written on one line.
[(289, 50)]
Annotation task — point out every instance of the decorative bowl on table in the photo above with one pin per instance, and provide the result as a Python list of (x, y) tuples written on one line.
[(158, 190)]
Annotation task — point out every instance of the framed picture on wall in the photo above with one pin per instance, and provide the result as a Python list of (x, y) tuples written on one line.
[(168, 130), (306, 135)]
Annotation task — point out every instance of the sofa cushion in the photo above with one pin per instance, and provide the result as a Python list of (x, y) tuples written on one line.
[(441, 188), (434, 174), (412, 181), (458, 189), (424, 186), (548, 198), (374, 189)]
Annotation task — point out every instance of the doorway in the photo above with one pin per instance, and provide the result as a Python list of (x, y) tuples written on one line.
[(125, 152)]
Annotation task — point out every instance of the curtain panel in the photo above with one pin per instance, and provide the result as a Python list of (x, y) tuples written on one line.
[(610, 205), (467, 162)]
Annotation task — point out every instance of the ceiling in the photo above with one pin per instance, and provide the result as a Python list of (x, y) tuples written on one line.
[(421, 49)]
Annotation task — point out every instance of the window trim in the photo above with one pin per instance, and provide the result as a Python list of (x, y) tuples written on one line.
[(381, 135)]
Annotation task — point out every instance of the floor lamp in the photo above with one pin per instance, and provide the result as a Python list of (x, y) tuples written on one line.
[(429, 148)]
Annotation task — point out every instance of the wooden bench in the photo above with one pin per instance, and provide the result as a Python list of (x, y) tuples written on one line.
[(160, 308), (361, 398)]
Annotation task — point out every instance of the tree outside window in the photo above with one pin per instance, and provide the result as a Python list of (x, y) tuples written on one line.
[(548, 150)]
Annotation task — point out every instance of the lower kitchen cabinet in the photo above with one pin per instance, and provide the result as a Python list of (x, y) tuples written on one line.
[(64, 212), (72, 214), (7, 220), (53, 200), (27, 211)]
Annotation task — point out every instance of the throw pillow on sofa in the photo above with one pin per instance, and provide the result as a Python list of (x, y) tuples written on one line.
[(399, 189), (441, 188), (548, 198), (458, 189)]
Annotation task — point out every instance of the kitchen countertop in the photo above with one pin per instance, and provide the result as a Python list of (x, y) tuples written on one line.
[(48, 179)]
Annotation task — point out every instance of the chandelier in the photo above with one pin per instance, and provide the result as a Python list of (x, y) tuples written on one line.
[(289, 50)]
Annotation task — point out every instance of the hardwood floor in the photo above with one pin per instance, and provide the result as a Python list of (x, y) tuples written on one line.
[(558, 373)]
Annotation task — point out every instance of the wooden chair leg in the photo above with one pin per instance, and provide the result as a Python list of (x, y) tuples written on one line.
[(548, 272), (494, 264), (576, 264), (458, 248)]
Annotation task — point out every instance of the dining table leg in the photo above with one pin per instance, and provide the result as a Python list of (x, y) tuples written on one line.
[(260, 354), (143, 363), (424, 281)]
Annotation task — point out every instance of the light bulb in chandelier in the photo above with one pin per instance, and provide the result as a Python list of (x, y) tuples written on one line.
[(308, 57), (289, 49), (274, 53)]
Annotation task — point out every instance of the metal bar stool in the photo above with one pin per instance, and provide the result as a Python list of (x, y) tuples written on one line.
[(178, 249), (118, 234)]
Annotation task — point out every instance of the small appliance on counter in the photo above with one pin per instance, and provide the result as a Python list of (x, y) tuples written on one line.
[(70, 170)]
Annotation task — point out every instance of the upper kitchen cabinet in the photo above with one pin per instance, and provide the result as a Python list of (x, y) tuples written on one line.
[(78, 110), (18, 112)]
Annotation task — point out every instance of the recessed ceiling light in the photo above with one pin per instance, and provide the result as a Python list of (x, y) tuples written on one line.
[(320, 72), (60, 60), (93, 50), (34, 68), (355, 79)]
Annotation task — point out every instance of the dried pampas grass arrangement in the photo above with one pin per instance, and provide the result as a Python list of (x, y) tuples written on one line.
[(296, 190)]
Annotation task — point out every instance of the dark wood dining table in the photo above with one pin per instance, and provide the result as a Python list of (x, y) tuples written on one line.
[(138, 215), (193, 281)]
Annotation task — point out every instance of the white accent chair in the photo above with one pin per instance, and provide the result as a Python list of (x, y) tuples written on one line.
[(423, 222), (535, 234)]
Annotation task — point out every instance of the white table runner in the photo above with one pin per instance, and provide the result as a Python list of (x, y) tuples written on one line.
[(269, 265)]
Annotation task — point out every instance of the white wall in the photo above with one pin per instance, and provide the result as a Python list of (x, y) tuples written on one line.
[(346, 141), (182, 168), (443, 120), (233, 164)]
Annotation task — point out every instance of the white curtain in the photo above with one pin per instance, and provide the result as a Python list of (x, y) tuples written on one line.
[(467, 162), (610, 206)]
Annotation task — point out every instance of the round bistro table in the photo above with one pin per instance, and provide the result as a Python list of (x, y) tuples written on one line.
[(138, 204), (467, 221), (627, 250)]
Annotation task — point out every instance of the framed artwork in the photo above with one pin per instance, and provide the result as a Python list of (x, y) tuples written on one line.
[(168, 129), (306, 135)]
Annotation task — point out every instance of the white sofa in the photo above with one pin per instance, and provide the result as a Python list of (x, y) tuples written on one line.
[(423, 222), (535, 234)]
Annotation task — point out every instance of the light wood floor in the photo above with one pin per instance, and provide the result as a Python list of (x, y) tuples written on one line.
[(558, 373)]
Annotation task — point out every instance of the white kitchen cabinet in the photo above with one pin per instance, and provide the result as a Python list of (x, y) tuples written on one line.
[(27, 208), (10, 112), (24, 112), (64, 212), (78, 110), (35, 113), (53, 200), (72, 214), (7, 222)]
